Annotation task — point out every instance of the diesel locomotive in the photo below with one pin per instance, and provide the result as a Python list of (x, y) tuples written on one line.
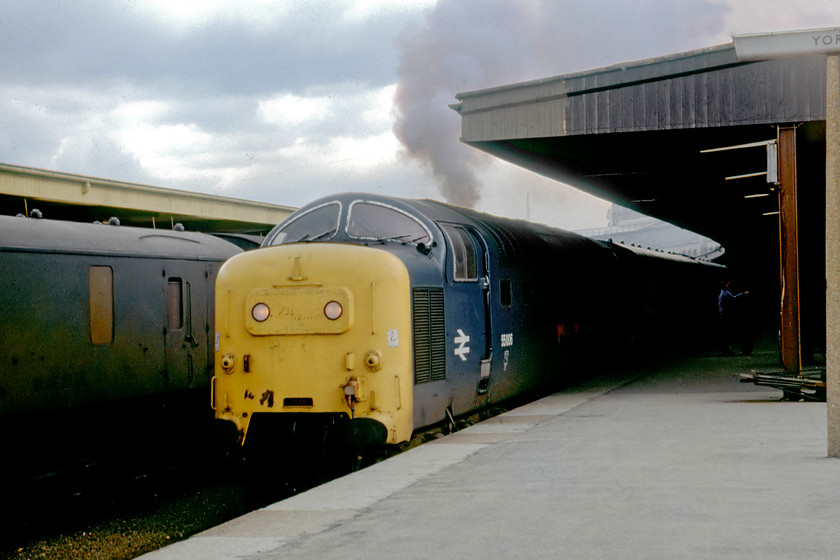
[(106, 331), (389, 315)]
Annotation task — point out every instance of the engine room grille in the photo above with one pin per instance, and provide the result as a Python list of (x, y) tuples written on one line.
[(429, 335)]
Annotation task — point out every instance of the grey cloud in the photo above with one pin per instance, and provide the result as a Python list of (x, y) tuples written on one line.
[(104, 155), (24, 144), (297, 183), (94, 43), (217, 114), (68, 65)]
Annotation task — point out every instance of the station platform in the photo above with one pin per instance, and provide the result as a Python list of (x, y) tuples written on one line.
[(676, 460)]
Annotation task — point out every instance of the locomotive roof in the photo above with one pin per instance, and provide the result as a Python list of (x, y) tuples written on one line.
[(437, 211), (55, 236), (507, 233)]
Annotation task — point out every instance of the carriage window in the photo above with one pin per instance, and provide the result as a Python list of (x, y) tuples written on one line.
[(175, 304), (374, 221), (463, 253), (317, 224), (101, 291)]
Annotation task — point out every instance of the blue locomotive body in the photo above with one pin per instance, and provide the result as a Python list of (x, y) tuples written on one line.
[(498, 307)]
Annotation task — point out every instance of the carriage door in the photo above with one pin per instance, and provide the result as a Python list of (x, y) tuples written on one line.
[(180, 336), (469, 334)]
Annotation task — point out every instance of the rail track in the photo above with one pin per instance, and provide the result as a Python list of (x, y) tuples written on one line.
[(118, 515)]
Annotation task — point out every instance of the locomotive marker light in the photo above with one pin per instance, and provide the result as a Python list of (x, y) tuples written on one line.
[(333, 310), (260, 312)]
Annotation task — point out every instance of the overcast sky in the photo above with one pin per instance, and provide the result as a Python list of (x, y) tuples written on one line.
[(284, 101)]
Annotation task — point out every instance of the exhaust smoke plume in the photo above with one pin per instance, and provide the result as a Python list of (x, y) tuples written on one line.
[(466, 45)]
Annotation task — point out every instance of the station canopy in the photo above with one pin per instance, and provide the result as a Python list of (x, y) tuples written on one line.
[(645, 135), (66, 196)]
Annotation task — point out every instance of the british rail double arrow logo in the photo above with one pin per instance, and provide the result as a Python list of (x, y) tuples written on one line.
[(462, 350)]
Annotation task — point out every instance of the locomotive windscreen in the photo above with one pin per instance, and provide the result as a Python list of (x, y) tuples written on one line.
[(315, 225), (376, 221)]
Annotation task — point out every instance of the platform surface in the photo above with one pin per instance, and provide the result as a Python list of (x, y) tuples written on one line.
[(677, 460)]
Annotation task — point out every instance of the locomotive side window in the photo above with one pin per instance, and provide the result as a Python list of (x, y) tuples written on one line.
[(317, 224), (463, 253), (505, 294), (101, 297), (374, 221)]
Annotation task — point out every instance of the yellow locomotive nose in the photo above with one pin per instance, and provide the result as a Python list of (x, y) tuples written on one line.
[(301, 314)]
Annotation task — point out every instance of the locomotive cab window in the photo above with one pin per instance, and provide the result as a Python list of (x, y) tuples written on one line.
[(375, 221), (463, 253), (317, 224), (101, 297)]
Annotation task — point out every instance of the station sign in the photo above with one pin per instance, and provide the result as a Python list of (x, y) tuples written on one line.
[(762, 46)]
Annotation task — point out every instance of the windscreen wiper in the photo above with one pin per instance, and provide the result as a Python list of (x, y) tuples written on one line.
[(317, 237)]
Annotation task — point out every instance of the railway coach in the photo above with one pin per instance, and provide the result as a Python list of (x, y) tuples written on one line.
[(106, 339)]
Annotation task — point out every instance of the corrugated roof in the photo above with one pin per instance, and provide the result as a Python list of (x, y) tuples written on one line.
[(704, 88)]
